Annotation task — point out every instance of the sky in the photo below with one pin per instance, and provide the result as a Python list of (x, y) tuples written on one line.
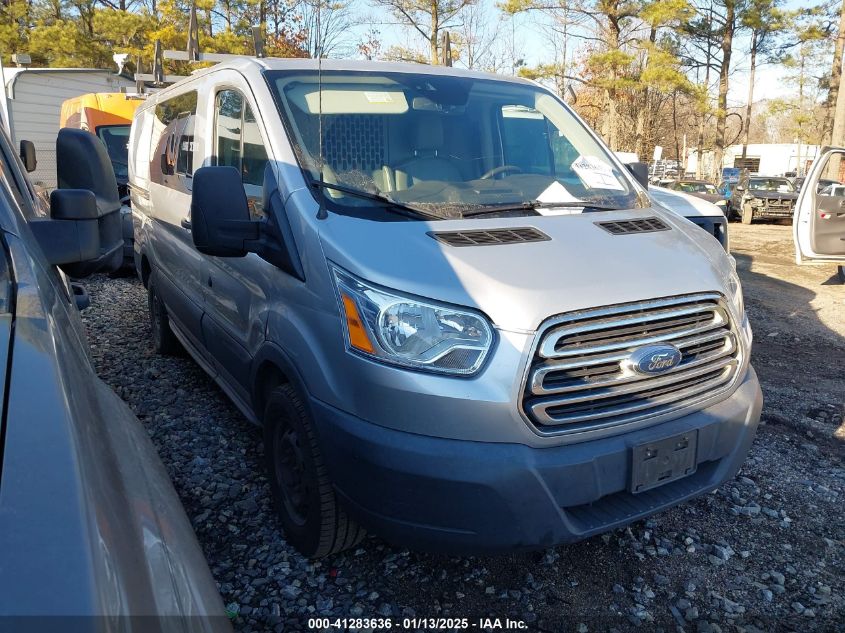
[(770, 81)]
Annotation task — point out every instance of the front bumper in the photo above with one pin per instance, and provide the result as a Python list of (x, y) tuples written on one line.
[(767, 212), (475, 497)]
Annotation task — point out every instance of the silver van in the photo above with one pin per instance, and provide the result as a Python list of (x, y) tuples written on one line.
[(458, 318)]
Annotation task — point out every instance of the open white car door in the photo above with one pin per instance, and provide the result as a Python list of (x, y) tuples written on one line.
[(818, 225)]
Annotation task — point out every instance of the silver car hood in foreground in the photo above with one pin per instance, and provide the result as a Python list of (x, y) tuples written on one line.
[(520, 285)]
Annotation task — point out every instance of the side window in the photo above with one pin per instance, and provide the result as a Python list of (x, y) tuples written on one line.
[(230, 105), (239, 144), (523, 131), (254, 155), (172, 160)]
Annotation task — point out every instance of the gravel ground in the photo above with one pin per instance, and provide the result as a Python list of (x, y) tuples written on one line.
[(764, 552)]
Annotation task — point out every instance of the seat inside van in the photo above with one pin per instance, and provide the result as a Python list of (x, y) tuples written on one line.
[(430, 160), (390, 152)]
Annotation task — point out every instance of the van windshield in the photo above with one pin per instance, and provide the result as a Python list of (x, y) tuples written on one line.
[(116, 140), (449, 146)]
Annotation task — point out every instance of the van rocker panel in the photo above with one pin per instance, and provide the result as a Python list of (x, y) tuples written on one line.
[(479, 497)]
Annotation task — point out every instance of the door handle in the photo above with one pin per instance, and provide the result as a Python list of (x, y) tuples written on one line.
[(186, 224)]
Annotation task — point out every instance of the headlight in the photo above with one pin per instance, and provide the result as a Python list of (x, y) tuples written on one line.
[(735, 293), (408, 332)]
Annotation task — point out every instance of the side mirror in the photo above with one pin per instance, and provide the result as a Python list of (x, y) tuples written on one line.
[(83, 234), (640, 172), (71, 234), (739, 188), (28, 156), (220, 220), (221, 224)]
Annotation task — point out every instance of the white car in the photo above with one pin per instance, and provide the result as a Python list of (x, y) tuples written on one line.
[(705, 214), (833, 190)]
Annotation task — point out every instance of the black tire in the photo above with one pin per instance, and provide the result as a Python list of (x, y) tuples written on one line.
[(747, 214), (841, 271), (164, 340), (313, 521)]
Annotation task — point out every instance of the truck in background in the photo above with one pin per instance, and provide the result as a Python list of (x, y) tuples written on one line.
[(33, 100), (107, 115)]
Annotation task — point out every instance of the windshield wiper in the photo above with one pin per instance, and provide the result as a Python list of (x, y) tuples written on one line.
[(532, 205), (389, 203)]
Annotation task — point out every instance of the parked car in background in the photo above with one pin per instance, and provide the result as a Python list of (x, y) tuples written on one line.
[(820, 184), (707, 215), (442, 341), (818, 227), (108, 115), (836, 190), (91, 528), (701, 189), (759, 197)]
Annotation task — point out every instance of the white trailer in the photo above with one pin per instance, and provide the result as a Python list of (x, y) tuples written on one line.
[(33, 103), (763, 159)]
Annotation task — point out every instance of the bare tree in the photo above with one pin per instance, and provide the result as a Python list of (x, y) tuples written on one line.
[(474, 38), (335, 35), (429, 18), (764, 21), (834, 120)]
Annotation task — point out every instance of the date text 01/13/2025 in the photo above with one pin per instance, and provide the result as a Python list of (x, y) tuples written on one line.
[(415, 624)]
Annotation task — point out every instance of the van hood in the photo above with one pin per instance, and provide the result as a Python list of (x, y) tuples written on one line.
[(518, 286)]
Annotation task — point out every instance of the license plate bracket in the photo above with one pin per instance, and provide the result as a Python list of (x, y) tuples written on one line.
[(661, 461)]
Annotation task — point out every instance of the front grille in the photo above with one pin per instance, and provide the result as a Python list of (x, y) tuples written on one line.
[(778, 203), (493, 236), (579, 378)]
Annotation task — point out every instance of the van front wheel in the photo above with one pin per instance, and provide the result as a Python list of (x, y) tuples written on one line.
[(313, 521)]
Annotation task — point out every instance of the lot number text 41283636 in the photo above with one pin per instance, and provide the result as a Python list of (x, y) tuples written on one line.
[(416, 624)]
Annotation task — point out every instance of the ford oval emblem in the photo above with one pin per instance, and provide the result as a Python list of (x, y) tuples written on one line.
[(654, 359)]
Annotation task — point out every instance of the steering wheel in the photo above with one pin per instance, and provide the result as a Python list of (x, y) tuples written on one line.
[(501, 169)]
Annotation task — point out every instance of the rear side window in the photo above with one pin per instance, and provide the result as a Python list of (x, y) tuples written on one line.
[(172, 160)]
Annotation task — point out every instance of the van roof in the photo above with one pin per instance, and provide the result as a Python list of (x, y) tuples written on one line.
[(247, 64)]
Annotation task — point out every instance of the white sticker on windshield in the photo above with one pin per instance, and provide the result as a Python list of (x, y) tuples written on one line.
[(595, 173), (556, 192), (378, 97)]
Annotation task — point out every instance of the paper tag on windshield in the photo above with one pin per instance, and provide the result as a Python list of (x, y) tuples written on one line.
[(595, 173), (378, 97), (556, 192)]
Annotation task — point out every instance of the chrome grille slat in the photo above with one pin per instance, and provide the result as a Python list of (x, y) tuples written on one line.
[(621, 378), (579, 378), (629, 343), (630, 384), (633, 408), (625, 324)]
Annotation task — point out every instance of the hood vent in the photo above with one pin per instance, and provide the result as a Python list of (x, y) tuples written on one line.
[(645, 225), (491, 237)]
